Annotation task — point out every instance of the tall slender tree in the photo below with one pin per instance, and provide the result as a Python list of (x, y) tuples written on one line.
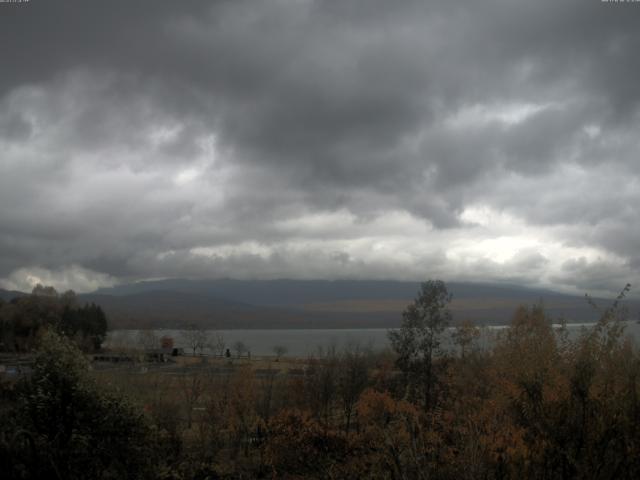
[(418, 339)]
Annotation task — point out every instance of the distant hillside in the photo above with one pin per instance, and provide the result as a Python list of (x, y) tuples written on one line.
[(7, 295), (315, 303), (301, 292), (238, 304)]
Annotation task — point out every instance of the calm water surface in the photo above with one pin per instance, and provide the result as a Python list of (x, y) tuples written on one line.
[(303, 342)]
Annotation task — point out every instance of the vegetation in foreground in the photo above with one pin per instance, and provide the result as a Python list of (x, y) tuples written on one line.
[(536, 405)]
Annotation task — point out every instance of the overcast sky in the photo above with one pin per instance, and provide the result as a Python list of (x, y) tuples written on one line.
[(493, 140)]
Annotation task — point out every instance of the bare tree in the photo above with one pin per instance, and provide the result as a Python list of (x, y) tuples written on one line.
[(119, 341), (265, 399), (218, 344), (147, 339), (465, 335), (321, 383), (279, 351), (240, 348), (352, 380), (196, 338), (192, 386)]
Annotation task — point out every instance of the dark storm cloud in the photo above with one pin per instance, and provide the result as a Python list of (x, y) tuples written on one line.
[(137, 135)]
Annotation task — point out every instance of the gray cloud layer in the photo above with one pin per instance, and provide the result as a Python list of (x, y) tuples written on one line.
[(488, 140)]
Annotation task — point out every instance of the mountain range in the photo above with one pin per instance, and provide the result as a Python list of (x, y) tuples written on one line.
[(248, 304)]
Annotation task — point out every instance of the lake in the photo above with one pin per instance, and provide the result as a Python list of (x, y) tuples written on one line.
[(304, 342)]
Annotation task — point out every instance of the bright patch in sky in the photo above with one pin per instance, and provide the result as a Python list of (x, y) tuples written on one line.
[(509, 114), (186, 176)]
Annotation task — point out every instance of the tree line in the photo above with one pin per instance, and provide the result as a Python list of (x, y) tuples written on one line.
[(23, 319)]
